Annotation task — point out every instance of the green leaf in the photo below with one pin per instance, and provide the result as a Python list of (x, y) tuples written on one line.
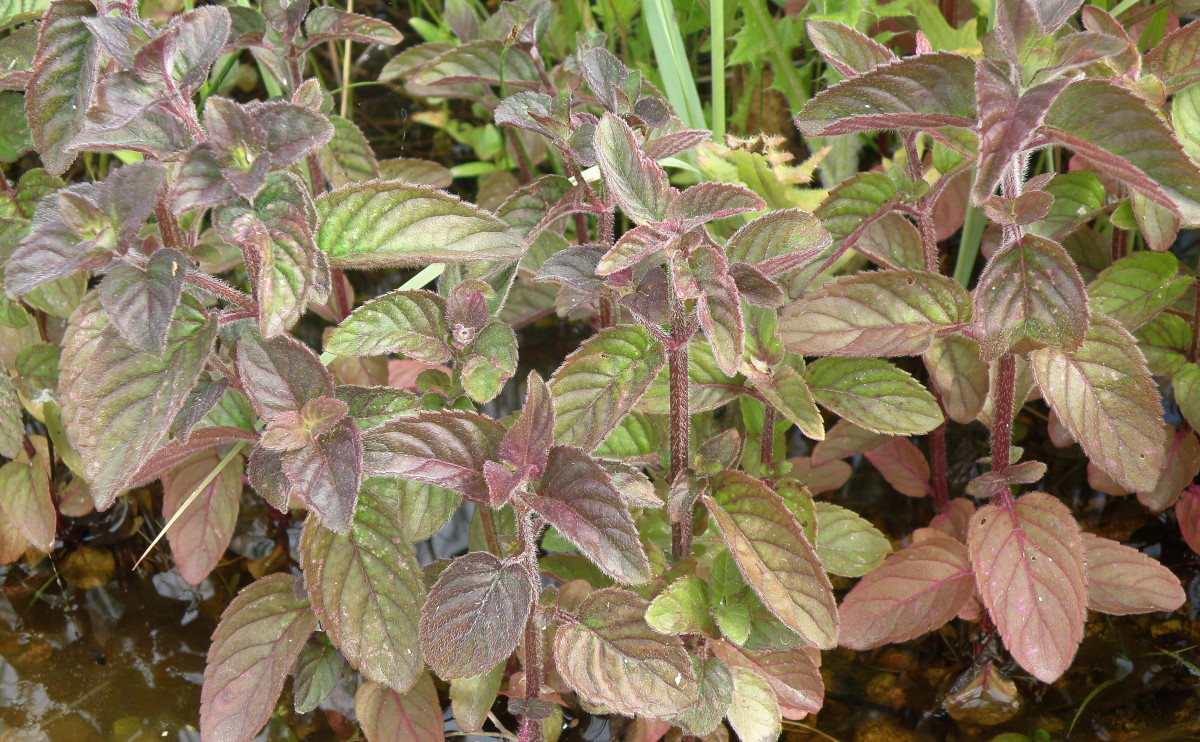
[(1187, 393), (1122, 581), (1103, 393), (348, 157), (847, 544), (922, 92), (446, 448), (914, 591), (492, 362), (1175, 58), (1185, 119), (612, 658), (367, 590), (472, 698), (774, 557), (327, 24), (873, 394), (13, 12), (1165, 340), (959, 375), (386, 716), (879, 313), (200, 536), (786, 391), (12, 427), (25, 501), (1029, 569), (391, 224), (753, 709), (637, 434), (1029, 296), (778, 241), (1137, 287), (1078, 197), (479, 62), (600, 383), (714, 687), (638, 183), (318, 670), (372, 406), (577, 497), (424, 509), (60, 90), (118, 403), (474, 615), (15, 138), (708, 386), (254, 648), (682, 608), (1117, 132), (409, 322)]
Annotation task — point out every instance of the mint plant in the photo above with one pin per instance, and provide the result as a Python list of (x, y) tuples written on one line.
[(642, 543)]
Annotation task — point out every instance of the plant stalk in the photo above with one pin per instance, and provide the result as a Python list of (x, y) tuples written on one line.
[(766, 451), (680, 421), (527, 532), (937, 454), (1002, 420)]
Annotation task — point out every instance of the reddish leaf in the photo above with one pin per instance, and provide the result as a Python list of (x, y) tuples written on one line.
[(176, 452), (1176, 59), (719, 309), (1187, 512), (1180, 467), (388, 716), (913, 592), (577, 497), (778, 241), (475, 615), (846, 439), (254, 648), (279, 374), (707, 201), (528, 441), (849, 51), (828, 477), (794, 674), (140, 302), (1122, 580), (446, 448), (992, 483), (1028, 562), (25, 502), (959, 375), (327, 474), (60, 89), (201, 535), (903, 466), (638, 183)]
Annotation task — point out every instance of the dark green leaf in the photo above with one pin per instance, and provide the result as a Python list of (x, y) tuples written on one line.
[(409, 322)]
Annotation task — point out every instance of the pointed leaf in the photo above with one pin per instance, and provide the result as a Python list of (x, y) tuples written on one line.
[(60, 89), (914, 591), (959, 375), (367, 590), (1117, 132), (140, 303), (600, 383), (479, 62), (446, 448), (927, 91), (719, 309), (254, 648), (409, 322), (372, 406), (327, 24), (847, 544), (12, 427), (475, 615), (778, 241), (348, 157), (849, 51), (873, 394), (1028, 562), (1030, 295), (1104, 394), (318, 670), (774, 557), (472, 698), (388, 716), (788, 393), (118, 403), (1122, 580), (793, 674), (638, 183), (200, 536), (1180, 467), (753, 709), (327, 474), (612, 658), (577, 497), (1137, 287), (705, 202), (845, 439), (25, 502), (280, 374), (528, 441), (391, 224), (903, 466), (1176, 59)]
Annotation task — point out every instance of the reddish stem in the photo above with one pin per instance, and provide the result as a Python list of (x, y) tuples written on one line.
[(680, 420), (937, 453), (527, 532), (1002, 419), (766, 451)]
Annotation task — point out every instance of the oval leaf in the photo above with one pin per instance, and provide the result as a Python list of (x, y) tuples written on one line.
[(1122, 580), (873, 394), (447, 448), (847, 544), (408, 322), (199, 538), (388, 716)]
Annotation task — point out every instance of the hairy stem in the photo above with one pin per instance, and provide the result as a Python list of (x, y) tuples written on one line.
[(219, 288), (487, 519), (680, 420), (937, 454), (527, 532), (1002, 419), (766, 451)]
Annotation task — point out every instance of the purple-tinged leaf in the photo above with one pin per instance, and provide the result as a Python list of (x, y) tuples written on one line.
[(54, 248), (632, 247), (891, 241), (1180, 467), (1104, 394), (903, 466), (992, 483), (1159, 226), (388, 716), (366, 588), (719, 308), (673, 141), (914, 591), (15, 138), (705, 202), (609, 79), (117, 402), (528, 441), (845, 439), (318, 670), (850, 52), (475, 615), (446, 448), (793, 674), (959, 375), (1176, 59), (140, 302), (391, 224), (1187, 512), (1118, 133), (1137, 287), (291, 131), (1078, 197), (200, 536), (537, 112), (1008, 122), (577, 497), (1165, 340), (778, 241), (408, 322), (774, 556), (1029, 569), (847, 544), (25, 502), (127, 113), (416, 171), (1029, 296), (329, 24), (200, 181), (600, 383), (12, 427), (280, 374), (885, 313), (923, 92), (1123, 581), (873, 394), (611, 657), (1028, 208), (254, 648), (186, 49), (714, 690), (638, 183), (327, 473), (61, 87), (476, 62), (754, 287)]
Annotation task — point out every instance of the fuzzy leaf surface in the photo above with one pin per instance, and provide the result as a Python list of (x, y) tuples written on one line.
[(327, 473), (201, 535), (794, 674), (778, 241), (388, 716), (408, 322), (60, 89), (959, 375), (1137, 287), (253, 650), (914, 591), (1122, 580), (847, 544), (280, 374), (774, 556), (367, 590), (446, 448), (873, 394), (682, 608), (1029, 569), (1103, 393), (140, 303), (638, 183), (611, 657), (849, 51)]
